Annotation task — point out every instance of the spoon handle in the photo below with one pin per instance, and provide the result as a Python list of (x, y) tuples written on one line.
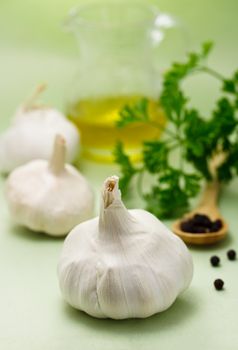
[(210, 196)]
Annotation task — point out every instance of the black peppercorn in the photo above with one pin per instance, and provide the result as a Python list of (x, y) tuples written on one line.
[(216, 225), (201, 223), (202, 220), (218, 284), (187, 226), (215, 260), (200, 229), (231, 254)]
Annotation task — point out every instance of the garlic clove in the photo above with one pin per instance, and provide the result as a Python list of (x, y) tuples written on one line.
[(34, 128), (124, 263), (50, 197)]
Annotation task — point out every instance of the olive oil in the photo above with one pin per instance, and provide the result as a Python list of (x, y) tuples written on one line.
[(96, 120)]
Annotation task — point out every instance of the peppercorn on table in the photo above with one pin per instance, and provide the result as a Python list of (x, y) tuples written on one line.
[(33, 314)]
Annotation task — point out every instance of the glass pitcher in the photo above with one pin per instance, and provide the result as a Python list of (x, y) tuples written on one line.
[(116, 67)]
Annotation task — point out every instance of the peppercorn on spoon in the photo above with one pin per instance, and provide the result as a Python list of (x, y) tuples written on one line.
[(207, 206)]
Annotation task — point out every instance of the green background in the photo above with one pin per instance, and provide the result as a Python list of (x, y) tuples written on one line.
[(33, 316)]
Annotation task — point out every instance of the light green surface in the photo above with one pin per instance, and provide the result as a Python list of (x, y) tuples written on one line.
[(34, 317), (32, 313)]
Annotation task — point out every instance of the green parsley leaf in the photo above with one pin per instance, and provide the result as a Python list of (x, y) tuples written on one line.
[(155, 155), (136, 113), (194, 143), (127, 169)]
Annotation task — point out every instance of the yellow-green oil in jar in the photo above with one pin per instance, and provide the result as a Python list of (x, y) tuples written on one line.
[(96, 120)]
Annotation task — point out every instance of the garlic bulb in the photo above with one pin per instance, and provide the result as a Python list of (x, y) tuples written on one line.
[(34, 128), (51, 197), (124, 263)]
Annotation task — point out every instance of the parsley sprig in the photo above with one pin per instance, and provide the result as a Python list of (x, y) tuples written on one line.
[(189, 140)]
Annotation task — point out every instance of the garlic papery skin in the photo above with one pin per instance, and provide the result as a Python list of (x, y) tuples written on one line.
[(50, 197), (124, 263), (34, 128)]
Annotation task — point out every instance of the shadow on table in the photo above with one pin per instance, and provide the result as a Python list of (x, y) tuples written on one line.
[(183, 309), (21, 232)]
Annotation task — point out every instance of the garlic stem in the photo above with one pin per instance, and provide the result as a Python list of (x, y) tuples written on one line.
[(110, 190), (114, 218), (29, 103), (57, 162)]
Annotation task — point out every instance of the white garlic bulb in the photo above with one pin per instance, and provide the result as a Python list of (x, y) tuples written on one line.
[(124, 263), (34, 128), (50, 197)]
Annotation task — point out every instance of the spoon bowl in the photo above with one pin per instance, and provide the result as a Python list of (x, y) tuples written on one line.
[(207, 206), (200, 238)]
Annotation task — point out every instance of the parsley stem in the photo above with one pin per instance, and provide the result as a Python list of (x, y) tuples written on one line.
[(212, 72), (162, 128), (174, 146), (139, 183)]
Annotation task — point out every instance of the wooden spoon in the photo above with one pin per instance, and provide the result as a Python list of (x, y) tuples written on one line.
[(207, 206)]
